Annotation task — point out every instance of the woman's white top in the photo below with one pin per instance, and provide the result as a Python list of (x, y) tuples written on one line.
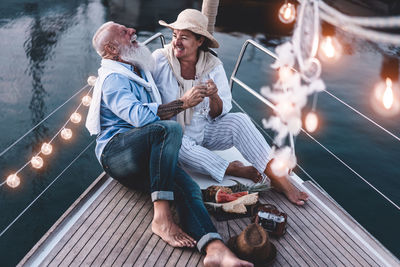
[(169, 90)]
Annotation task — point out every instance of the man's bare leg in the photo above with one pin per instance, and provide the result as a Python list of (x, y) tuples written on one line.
[(217, 254), (164, 226), (283, 185), (237, 168)]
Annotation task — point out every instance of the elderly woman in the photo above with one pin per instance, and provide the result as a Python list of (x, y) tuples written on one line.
[(181, 69)]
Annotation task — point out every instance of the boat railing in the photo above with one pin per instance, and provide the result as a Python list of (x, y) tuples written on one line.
[(154, 37), (234, 79)]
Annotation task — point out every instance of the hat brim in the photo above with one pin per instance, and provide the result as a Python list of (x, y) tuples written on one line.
[(257, 263), (197, 30)]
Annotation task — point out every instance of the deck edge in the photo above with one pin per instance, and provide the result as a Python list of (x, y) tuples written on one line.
[(40, 246), (384, 254)]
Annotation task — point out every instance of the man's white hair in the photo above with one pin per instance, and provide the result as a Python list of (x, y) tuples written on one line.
[(101, 37)]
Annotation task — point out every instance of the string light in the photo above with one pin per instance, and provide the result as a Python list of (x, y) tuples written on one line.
[(311, 121), (91, 80), (66, 133), (383, 99), (387, 98), (76, 117), (86, 100), (46, 149), (37, 162), (285, 73), (13, 180), (330, 49), (287, 13)]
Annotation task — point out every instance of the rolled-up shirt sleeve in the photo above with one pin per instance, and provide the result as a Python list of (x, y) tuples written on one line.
[(123, 101), (218, 75)]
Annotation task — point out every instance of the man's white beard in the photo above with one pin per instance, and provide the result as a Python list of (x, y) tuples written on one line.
[(139, 56)]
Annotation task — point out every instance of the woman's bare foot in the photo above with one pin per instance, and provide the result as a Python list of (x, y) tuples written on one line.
[(219, 255), (164, 226), (237, 168), (283, 185)]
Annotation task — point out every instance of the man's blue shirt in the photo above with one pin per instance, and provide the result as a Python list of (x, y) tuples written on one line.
[(124, 105)]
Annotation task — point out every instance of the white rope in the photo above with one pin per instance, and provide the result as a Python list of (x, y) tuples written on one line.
[(364, 116), (375, 22), (351, 169), (58, 176), (371, 35), (54, 111)]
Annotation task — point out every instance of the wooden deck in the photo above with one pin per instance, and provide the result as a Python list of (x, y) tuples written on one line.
[(109, 225)]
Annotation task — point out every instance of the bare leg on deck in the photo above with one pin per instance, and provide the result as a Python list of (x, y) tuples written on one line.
[(283, 185), (164, 226)]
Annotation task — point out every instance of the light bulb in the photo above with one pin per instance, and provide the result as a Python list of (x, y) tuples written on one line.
[(384, 99), (13, 180), (91, 80), (387, 98), (285, 110), (37, 162), (311, 122), (285, 73), (330, 49), (86, 100), (46, 149), (287, 13), (76, 117), (66, 133), (279, 167)]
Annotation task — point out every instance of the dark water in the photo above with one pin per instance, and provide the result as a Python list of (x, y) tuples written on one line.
[(46, 54)]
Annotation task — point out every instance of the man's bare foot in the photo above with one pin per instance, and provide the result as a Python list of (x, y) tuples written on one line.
[(237, 168), (172, 233), (164, 226), (283, 185), (219, 255)]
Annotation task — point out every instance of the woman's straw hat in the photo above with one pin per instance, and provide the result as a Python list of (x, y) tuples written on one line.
[(253, 245), (194, 21)]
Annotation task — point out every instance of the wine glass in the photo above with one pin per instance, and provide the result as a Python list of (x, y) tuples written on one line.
[(203, 107)]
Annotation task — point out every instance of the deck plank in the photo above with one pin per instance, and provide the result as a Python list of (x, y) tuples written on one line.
[(132, 240), (164, 256), (155, 254), (118, 248), (140, 246), (174, 258), (146, 252), (106, 241), (102, 225), (312, 233), (94, 210), (361, 250), (304, 234), (116, 231), (88, 229), (354, 253)]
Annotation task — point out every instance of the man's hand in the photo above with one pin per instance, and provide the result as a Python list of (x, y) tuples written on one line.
[(194, 96)]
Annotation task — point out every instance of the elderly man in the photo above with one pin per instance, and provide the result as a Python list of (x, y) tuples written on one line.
[(140, 149)]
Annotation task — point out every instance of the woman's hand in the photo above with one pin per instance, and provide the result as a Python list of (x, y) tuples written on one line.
[(194, 96), (212, 90), (215, 101)]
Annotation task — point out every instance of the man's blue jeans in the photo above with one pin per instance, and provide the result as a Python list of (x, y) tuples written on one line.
[(146, 159)]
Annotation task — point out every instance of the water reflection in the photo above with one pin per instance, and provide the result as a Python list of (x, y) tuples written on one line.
[(144, 15), (43, 35)]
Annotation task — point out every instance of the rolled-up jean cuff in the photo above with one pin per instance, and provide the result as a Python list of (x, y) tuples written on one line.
[(206, 239), (162, 195)]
